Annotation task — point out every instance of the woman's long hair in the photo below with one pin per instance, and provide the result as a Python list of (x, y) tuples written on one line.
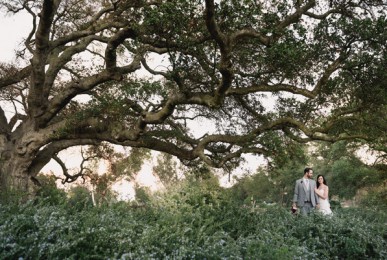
[(324, 180)]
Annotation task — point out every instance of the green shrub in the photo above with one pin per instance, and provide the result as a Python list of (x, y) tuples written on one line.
[(194, 220), (79, 198), (375, 198), (49, 192)]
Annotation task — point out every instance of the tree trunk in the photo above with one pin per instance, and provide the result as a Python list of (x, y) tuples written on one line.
[(14, 177), (15, 161)]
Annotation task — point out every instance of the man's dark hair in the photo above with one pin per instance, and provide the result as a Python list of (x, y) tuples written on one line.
[(307, 170)]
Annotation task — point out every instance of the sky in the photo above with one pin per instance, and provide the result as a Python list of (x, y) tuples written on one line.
[(12, 29)]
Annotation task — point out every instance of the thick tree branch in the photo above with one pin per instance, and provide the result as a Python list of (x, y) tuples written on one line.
[(15, 118), (249, 33), (322, 16), (86, 84), (154, 72), (4, 127), (225, 66), (212, 26), (113, 43), (33, 30), (57, 63), (15, 77), (270, 88), (36, 98), (328, 72), (295, 17)]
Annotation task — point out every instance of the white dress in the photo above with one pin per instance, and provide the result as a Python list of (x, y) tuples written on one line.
[(325, 207)]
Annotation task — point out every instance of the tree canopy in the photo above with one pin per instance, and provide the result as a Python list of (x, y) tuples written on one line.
[(149, 73)]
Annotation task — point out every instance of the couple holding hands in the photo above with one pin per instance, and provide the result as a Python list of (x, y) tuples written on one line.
[(308, 195)]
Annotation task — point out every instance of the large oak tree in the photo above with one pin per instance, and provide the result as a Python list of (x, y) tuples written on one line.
[(79, 78)]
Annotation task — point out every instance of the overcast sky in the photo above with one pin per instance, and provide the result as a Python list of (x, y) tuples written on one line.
[(12, 30)]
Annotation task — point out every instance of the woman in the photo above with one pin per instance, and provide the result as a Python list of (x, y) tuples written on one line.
[(322, 191)]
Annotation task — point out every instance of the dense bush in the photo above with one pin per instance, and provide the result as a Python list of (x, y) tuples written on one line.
[(376, 197), (192, 221)]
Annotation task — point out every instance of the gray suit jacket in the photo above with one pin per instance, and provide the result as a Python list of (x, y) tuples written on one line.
[(300, 193)]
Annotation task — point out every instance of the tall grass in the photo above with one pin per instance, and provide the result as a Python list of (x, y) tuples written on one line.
[(190, 222)]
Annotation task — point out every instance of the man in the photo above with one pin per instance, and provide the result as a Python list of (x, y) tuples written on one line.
[(304, 196)]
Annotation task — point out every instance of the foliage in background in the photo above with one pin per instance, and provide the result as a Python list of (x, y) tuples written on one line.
[(129, 165), (376, 198), (274, 183), (49, 190), (346, 174), (166, 169)]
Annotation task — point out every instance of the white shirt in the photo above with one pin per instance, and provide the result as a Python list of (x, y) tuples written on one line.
[(306, 181)]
